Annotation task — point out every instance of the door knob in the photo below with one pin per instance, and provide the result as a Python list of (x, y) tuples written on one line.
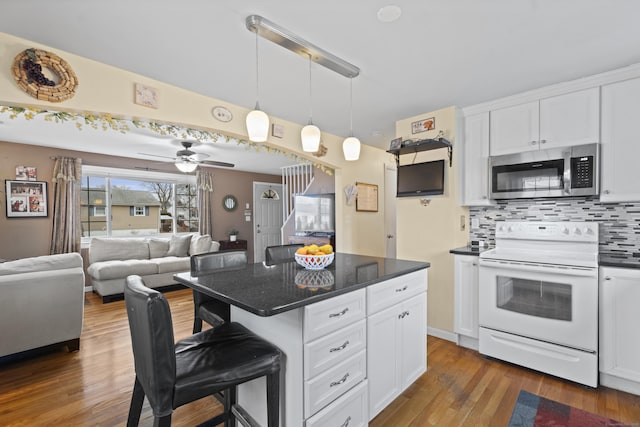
[(389, 236)]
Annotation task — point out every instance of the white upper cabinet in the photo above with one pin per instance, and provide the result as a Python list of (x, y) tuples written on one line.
[(620, 148), (563, 120), (475, 176)]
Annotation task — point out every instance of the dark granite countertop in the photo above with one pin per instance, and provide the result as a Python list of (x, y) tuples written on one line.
[(469, 250), (620, 260), (268, 290)]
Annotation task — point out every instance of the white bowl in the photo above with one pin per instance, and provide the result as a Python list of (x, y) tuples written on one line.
[(314, 262)]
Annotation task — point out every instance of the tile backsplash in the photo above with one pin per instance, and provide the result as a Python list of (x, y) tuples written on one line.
[(619, 222)]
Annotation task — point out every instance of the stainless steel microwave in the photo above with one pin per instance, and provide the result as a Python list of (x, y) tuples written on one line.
[(554, 172)]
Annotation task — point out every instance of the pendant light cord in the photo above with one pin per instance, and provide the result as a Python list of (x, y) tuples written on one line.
[(310, 94), (257, 86), (351, 105)]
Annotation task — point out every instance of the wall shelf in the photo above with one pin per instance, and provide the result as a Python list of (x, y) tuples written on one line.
[(423, 145)]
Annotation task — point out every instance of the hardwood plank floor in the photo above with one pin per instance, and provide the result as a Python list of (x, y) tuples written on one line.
[(92, 387)]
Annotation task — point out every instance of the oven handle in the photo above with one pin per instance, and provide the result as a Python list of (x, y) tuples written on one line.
[(540, 268)]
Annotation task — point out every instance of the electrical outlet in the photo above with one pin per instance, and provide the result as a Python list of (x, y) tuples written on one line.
[(475, 223)]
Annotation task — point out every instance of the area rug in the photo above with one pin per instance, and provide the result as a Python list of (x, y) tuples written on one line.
[(532, 410)]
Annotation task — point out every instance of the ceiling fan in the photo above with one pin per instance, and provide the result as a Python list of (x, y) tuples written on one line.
[(187, 160)]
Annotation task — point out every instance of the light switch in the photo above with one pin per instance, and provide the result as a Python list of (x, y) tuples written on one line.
[(475, 223)]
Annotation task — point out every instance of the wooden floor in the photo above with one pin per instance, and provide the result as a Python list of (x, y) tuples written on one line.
[(92, 387)]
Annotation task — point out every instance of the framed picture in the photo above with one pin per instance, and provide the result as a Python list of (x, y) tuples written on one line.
[(26, 173), (367, 198), (395, 144), (423, 125), (146, 95), (26, 199)]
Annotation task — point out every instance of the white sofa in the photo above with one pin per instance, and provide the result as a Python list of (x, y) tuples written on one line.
[(156, 260), (41, 303)]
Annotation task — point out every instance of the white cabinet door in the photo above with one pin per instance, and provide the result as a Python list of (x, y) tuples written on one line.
[(619, 320), (465, 321), (514, 129), (570, 119), (383, 340), (620, 146), (413, 329), (475, 172)]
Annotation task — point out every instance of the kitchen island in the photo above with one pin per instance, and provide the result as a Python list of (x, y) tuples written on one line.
[(354, 334)]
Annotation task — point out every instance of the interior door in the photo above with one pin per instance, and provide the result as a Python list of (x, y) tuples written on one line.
[(390, 179), (267, 225)]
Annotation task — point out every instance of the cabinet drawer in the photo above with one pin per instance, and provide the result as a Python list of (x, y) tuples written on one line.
[(349, 410), (333, 314), (325, 388), (325, 352), (390, 292)]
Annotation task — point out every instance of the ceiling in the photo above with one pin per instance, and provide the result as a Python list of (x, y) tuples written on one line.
[(437, 54)]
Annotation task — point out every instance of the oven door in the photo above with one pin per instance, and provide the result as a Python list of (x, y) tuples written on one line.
[(550, 303)]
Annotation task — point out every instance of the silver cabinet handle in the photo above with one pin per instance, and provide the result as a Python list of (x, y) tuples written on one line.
[(475, 264), (402, 289), (607, 278), (543, 141), (346, 422), (342, 313), (534, 142), (606, 191), (342, 347), (403, 315), (343, 379)]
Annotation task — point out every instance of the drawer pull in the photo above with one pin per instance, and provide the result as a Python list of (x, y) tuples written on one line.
[(342, 347), (335, 383), (402, 289), (346, 422), (403, 315), (342, 313)]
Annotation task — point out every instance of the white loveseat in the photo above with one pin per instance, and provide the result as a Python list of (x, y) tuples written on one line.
[(41, 303), (156, 260)]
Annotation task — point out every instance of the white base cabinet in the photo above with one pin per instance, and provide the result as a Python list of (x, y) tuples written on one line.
[(619, 320), (396, 337), (465, 321)]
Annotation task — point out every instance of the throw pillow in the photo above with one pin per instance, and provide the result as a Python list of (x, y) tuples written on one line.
[(200, 244), (179, 245), (158, 248)]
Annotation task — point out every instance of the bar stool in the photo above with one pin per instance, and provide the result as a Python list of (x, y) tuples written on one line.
[(280, 253), (171, 375), (206, 308)]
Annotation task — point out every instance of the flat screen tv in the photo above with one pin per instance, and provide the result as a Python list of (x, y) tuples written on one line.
[(421, 179), (315, 213)]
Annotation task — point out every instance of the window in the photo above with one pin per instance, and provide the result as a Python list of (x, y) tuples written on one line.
[(117, 202)]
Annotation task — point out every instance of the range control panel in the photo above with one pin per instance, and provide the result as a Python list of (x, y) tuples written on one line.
[(569, 231)]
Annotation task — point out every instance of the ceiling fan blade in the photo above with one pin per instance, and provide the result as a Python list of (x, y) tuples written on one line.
[(198, 157), (157, 155), (212, 163)]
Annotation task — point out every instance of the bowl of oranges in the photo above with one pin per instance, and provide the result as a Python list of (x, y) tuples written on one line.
[(314, 257)]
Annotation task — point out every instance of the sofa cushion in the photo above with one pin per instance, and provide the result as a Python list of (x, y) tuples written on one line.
[(179, 245), (41, 263), (200, 244), (158, 248), (172, 264), (108, 249), (116, 269)]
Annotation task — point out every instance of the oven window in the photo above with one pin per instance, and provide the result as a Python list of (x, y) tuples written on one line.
[(537, 298)]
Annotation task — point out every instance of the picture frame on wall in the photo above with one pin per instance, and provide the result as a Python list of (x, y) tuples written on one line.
[(423, 125), (26, 199)]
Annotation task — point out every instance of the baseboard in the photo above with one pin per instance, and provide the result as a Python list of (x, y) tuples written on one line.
[(439, 333), (88, 288), (619, 383)]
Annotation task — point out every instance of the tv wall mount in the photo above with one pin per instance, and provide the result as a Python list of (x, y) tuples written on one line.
[(423, 145)]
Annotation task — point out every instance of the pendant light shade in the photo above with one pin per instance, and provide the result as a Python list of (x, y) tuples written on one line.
[(257, 121), (310, 134), (351, 145), (186, 167)]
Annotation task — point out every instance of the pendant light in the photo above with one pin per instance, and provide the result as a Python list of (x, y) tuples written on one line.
[(351, 145), (257, 120), (310, 134)]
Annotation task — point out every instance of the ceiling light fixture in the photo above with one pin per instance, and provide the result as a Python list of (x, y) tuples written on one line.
[(257, 120), (310, 134), (389, 13), (294, 43), (351, 145), (185, 166)]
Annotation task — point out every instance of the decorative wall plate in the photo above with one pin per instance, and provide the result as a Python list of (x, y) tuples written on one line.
[(27, 71), (222, 114)]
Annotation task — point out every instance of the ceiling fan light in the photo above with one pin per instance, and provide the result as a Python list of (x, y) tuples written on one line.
[(186, 167), (351, 148), (310, 136), (257, 125)]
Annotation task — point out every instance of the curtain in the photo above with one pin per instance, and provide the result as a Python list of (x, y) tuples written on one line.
[(204, 184), (67, 175)]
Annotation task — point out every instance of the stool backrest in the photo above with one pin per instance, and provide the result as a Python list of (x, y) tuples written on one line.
[(152, 341), (280, 253), (212, 261)]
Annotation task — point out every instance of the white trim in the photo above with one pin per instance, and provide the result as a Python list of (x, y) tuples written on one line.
[(439, 333), (140, 175)]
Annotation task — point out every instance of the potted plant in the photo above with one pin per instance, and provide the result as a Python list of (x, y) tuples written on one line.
[(233, 234)]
